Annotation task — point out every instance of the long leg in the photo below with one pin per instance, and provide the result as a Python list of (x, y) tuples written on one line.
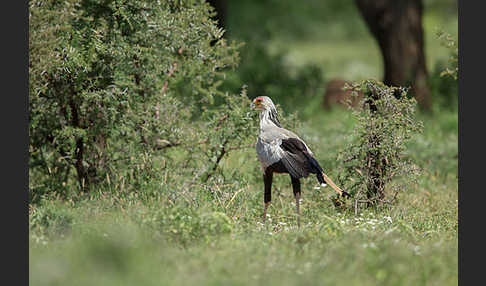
[(267, 198), (296, 189), (336, 188)]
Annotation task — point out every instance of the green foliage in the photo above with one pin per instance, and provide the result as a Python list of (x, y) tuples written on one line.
[(442, 80), (375, 165), (292, 21), (451, 44), (268, 74), (115, 84), (444, 8), (444, 89), (228, 127)]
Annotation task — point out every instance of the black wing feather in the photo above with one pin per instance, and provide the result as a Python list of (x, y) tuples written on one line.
[(295, 165), (297, 159)]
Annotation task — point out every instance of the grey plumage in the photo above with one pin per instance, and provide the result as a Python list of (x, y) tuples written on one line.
[(269, 140), (282, 151)]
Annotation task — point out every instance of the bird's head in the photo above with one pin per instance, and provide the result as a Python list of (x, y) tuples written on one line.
[(263, 103), (269, 112)]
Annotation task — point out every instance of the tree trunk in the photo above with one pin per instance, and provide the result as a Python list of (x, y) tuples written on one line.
[(397, 27)]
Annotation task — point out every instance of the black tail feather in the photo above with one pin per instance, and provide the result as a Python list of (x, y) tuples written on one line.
[(321, 179), (315, 168)]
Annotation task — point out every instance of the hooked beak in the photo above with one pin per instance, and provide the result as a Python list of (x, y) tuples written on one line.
[(256, 105)]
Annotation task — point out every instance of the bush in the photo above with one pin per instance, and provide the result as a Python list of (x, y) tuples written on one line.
[(375, 163), (443, 88), (451, 44), (443, 80), (115, 85)]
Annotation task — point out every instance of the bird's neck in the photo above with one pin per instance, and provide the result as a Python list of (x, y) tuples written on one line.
[(269, 118)]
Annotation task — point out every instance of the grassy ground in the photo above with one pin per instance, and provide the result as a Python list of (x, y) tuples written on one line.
[(216, 238)]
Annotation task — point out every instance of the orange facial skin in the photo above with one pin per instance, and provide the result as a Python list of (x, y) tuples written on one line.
[(257, 103)]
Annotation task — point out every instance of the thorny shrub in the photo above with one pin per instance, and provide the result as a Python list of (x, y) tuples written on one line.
[(375, 164)]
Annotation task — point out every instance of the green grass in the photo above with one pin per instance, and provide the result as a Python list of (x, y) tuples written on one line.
[(324, 252), (213, 236), (350, 60)]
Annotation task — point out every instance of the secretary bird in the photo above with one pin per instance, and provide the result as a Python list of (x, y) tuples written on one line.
[(282, 151)]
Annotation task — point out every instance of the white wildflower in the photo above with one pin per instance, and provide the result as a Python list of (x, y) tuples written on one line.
[(416, 249), (368, 245)]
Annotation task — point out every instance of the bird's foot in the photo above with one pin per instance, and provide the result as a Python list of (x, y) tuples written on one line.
[(345, 194)]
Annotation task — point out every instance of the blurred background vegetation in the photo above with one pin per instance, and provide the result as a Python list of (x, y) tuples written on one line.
[(141, 160), (294, 49)]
